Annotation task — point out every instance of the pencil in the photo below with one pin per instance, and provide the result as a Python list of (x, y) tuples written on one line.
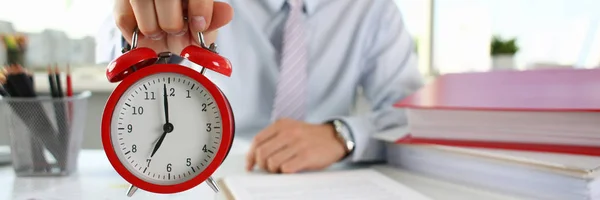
[(69, 83), (51, 82), (61, 118), (69, 95), (59, 91), (55, 145)]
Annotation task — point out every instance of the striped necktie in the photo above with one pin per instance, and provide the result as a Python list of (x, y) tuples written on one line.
[(290, 96)]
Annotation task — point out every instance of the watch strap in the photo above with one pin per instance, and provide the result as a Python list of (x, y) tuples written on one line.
[(344, 135)]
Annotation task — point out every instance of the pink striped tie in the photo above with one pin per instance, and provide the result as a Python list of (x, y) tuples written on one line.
[(290, 97)]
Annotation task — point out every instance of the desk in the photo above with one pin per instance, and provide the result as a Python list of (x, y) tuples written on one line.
[(96, 179)]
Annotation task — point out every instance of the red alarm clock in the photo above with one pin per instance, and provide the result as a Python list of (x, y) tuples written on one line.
[(166, 128)]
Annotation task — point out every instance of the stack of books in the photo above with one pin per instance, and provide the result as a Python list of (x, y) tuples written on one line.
[(532, 133), (532, 175)]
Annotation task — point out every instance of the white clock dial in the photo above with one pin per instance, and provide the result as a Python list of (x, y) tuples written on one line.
[(139, 121)]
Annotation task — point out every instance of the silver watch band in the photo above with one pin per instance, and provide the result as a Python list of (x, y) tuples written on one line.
[(343, 132)]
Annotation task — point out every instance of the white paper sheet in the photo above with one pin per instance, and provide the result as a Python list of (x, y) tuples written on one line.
[(347, 185)]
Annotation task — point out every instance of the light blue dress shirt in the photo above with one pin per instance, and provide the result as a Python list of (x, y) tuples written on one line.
[(353, 44)]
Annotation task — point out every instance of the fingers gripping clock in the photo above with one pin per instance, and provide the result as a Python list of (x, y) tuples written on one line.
[(166, 127)]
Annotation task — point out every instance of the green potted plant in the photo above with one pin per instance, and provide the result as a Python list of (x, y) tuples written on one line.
[(503, 52), (416, 44)]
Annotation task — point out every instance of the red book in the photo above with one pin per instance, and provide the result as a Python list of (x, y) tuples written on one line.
[(555, 110)]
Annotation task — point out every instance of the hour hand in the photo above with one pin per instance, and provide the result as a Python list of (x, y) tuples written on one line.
[(158, 143)]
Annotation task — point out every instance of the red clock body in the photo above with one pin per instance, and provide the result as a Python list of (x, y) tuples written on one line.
[(166, 128)]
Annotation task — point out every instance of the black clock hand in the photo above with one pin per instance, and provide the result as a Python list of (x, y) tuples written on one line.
[(166, 104), (158, 143), (167, 127)]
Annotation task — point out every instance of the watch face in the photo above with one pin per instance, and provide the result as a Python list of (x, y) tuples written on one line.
[(166, 128)]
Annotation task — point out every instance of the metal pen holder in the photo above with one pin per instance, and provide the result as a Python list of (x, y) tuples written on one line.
[(46, 133)]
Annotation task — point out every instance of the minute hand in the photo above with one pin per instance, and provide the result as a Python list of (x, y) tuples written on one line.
[(166, 103)]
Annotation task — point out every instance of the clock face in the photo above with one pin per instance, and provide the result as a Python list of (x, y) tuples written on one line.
[(192, 134)]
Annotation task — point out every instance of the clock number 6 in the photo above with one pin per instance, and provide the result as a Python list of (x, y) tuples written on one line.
[(169, 167)]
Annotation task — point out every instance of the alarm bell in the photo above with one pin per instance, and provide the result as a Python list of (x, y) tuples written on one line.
[(136, 58)]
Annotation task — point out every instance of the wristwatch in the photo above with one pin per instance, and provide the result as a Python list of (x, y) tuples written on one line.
[(343, 133)]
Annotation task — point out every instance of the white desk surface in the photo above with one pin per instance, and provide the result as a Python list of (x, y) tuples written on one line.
[(96, 179)]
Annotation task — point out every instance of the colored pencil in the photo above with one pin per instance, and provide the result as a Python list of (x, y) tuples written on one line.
[(61, 118)]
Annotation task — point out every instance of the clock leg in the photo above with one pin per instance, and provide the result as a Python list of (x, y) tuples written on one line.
[(131, 190), (211, 182)]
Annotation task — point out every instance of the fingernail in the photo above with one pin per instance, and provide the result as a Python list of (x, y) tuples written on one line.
[(198, 23), (181, 33), (156, 36)]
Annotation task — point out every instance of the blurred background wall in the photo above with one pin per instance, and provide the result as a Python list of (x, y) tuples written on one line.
[(52, 47), (453, 36)]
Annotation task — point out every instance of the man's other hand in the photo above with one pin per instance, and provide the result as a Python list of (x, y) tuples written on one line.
[(290, 146)]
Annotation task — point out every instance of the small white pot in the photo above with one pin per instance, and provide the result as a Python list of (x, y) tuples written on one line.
[(503, 62)]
